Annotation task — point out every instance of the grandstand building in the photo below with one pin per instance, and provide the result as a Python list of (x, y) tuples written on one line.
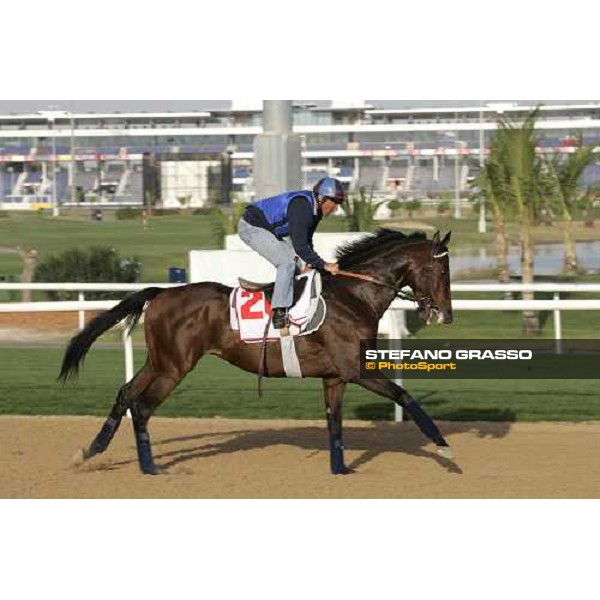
[(193, 157)]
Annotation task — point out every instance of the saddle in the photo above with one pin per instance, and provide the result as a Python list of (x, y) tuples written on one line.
[(250, 308), (252, 286), (267, 288)]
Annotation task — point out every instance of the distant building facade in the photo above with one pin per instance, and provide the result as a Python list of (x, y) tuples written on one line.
[(197, 157)]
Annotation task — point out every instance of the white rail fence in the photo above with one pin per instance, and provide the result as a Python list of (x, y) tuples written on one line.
[(81, 305), (392, 323)]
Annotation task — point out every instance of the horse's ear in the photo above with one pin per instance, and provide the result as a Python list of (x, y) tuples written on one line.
[(446, 239), (436, 237)]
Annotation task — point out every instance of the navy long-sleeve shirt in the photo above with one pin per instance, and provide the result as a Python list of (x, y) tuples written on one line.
[(301, 224)]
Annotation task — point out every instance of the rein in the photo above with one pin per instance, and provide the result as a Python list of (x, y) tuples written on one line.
[(371, 279)]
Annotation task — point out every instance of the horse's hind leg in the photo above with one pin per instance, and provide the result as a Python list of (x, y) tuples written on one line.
[(123, 401), (142, 408)]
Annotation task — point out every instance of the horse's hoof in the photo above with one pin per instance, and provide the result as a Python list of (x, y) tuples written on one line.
[(445, 451), (80, 457), (155, 470), (343, 471)]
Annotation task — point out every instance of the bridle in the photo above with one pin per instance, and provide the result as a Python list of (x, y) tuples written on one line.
[(424, 302)]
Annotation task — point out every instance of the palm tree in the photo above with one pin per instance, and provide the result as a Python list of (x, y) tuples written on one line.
[(493, 184), (563, 177), (521, 175), (361, 210)]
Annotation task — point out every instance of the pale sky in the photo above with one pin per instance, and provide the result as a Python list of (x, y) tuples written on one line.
[(29, 106)]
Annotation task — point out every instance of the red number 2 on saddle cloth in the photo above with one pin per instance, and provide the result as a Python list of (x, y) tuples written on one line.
[(246, 309)]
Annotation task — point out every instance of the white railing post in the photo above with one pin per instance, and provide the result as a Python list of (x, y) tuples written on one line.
[(402, 328), (557, 327), (128, 347), (81, 298), (396, 328)]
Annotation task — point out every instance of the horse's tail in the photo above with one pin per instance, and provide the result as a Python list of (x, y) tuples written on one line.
[(131, 309)]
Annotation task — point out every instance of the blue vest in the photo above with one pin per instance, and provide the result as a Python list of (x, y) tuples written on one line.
[(275, 209)]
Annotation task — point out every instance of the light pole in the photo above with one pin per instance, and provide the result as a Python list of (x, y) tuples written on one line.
[(72, 179), (482, 223), (457, 214), (51, 116), (457, 145), (304, 162), (55, 211)]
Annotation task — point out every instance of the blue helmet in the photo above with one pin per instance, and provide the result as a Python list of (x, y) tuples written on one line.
[(330, 188)]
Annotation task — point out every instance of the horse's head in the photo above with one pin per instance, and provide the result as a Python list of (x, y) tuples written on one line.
[(393, 260), (429, 279)]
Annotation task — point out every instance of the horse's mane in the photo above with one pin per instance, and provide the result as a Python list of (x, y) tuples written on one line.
[(370, 246)]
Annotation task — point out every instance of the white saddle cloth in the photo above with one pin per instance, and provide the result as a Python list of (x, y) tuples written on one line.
[(249, 311)]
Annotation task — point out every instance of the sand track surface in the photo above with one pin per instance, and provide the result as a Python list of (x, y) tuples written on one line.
[(219, 458)]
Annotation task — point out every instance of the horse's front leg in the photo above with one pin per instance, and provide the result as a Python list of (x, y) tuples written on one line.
[(389, 389), (334, 394)]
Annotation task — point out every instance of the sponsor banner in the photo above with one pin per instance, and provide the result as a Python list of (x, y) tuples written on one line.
[(480, 359)]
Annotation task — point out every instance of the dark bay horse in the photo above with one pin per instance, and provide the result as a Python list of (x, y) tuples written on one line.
[(184, 323)]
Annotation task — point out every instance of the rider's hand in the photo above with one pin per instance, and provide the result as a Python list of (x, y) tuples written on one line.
[(306, 269), (332, 268)]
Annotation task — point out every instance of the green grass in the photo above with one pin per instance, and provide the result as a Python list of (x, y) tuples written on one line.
[(217, 389), (165, 243), (169, 238), (465, 231), (477, 324)]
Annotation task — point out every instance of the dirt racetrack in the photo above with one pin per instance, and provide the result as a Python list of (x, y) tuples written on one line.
[(218, 458)]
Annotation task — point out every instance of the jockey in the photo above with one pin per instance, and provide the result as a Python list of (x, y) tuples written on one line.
[(280, 229)]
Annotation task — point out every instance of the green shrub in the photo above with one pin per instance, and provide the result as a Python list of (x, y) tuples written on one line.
[(97, 264), (443, 207), (4, 214), (124, 214), (394, 205), (165, 212), (203, 210), (412, 206)]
